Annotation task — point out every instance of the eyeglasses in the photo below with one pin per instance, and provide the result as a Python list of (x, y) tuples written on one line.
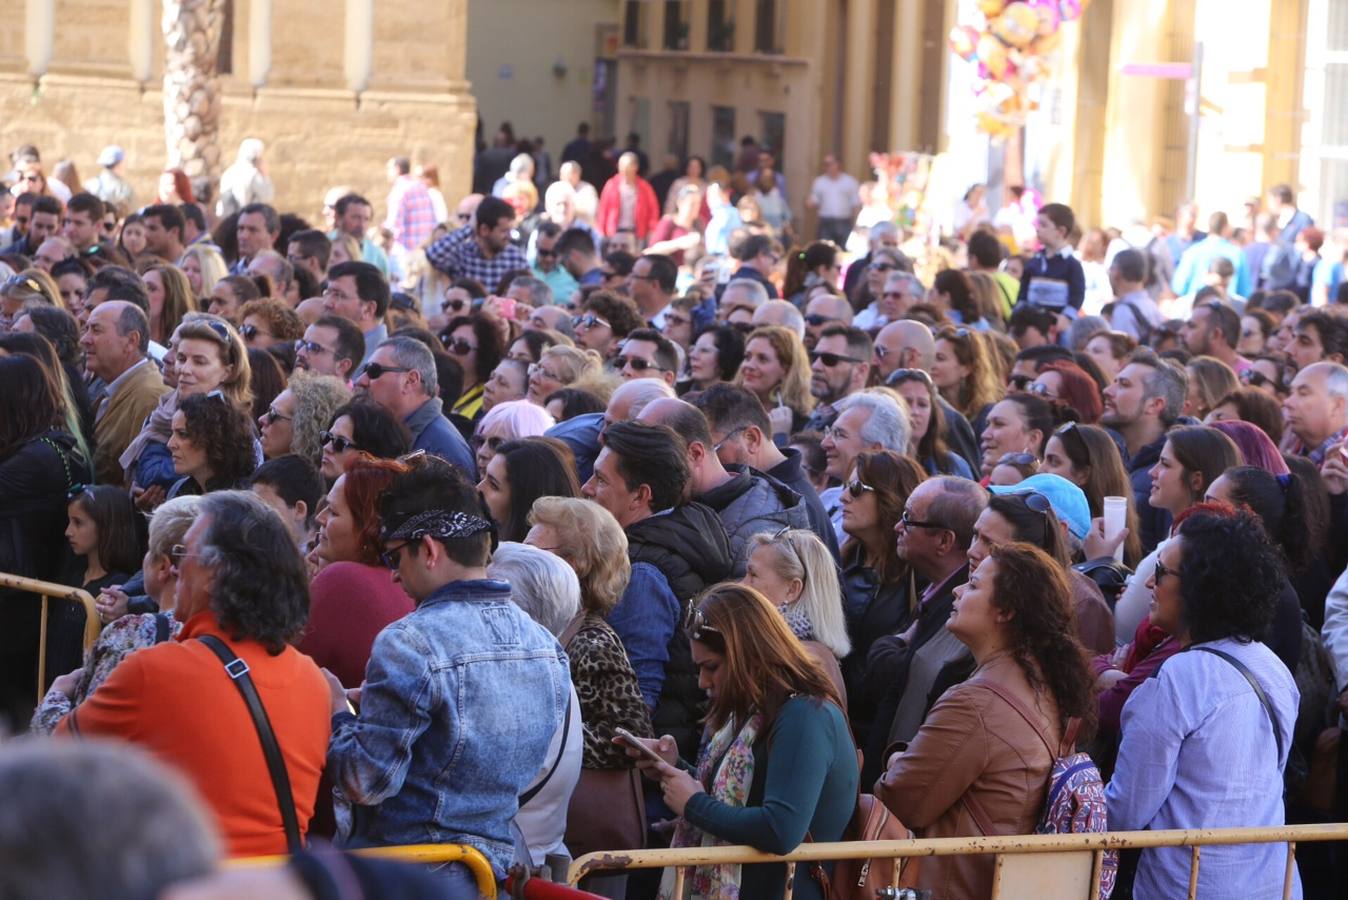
[(729, 436), (392, 558), (1161, 571), (637, 363), (832, 359), (457, 346), (589, 320), (271, 415), (1019, 459), (311, 347), (537, 369), (178, 553), (696, 625), (454, 305), (909, 522), (374, 371), (856, 488), (251, 331), (339, 444)]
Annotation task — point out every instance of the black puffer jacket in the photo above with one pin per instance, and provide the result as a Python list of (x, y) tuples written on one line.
[(689, 546)]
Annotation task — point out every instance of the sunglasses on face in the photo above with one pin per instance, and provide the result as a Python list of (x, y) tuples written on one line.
[(457, 346), (589, 320), (464, 217), (392, 557), (251, 331), (338, 443), (1020, 382), (454, 305), (310, 347), (815, 320), (1039, 389), (271, 415), (637, 363), (856, 488), (375, 371), (832, 359), (548, 254), (1255, 378), (882, 267)]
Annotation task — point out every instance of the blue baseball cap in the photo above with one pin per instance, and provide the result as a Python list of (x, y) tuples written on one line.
[(1068, 501)]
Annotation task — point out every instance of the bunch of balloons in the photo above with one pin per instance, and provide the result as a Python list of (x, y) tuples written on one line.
[(1011, 46)]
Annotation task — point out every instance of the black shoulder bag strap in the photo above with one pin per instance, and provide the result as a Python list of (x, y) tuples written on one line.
[(1258, 692), (561, 751), (237, 670)]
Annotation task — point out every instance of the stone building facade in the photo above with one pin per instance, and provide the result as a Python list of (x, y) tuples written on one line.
[(333, 87)]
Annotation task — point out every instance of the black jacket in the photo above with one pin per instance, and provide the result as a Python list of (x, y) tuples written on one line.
[(790, 473), (1152, 522), (872, 609), (960, 437), (689, 546)]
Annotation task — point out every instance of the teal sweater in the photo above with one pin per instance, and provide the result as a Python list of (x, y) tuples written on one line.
[(805, 780)]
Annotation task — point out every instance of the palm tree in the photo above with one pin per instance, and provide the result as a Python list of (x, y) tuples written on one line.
[(192, 30)]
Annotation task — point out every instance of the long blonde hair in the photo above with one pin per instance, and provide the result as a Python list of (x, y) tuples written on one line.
[(794, 388), (799, 553), (593, 543), (211, 264)]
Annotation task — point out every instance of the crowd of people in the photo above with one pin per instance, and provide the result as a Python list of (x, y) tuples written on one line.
[(604, 511)]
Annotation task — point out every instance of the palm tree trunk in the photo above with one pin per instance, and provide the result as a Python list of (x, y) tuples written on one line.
[(192, 31)]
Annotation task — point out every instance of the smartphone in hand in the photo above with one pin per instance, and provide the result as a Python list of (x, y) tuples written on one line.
[(637, 744)]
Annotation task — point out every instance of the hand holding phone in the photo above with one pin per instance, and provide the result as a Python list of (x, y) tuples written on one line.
[(623, 736)]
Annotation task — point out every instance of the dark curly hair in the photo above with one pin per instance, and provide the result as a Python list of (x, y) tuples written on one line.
[(244, 537), (374, 430), (1231, 575), (575, 402), (730, 343), (619, 311), (490, 342), (1033, 587), (225, 433)]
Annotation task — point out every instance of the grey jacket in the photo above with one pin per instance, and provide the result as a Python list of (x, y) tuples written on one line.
[(751, 502)]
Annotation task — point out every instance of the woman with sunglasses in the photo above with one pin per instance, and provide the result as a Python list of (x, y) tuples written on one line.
[(509, 421), (267, 322), (777, 763), (1068, 384), (777, 369), (797, 574), (929, 424), (361, 427), (212, 446), (353, 595), (1271, 373), (1020, 423), (477, 344), (715, 357), (1192, 458), (1205, 742), (210, 356), (294, 421), (964, 373), (1088, 457), (980, 763), (879, 588)]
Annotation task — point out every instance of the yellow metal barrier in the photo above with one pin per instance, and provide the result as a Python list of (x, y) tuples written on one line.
[(411, 853), (92, 624), (1075, 857)]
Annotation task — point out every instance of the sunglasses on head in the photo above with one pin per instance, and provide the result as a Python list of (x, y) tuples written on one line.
[(899, 376), (457, 346), (1019, 459), (832, 359), (339, 444), (221, 331), (696, 625), (374, 370)]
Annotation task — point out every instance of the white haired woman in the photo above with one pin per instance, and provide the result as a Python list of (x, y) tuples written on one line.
[(796, 572), (508, 421)]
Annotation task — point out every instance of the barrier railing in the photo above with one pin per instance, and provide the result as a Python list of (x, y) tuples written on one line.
[(1038, 866), (412, 853), (92, 624)]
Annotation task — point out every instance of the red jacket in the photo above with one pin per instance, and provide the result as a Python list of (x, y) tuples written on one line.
[(645, 216), (176, 700)]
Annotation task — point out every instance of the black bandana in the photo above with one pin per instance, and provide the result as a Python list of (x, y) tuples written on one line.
[(438, 523)]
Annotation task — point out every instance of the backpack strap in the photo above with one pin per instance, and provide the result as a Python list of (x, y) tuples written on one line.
[(1258, 692), (1025, 714), (162, 627), (237, 670)]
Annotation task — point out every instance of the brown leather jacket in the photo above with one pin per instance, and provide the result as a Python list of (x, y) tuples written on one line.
[(974, 748)]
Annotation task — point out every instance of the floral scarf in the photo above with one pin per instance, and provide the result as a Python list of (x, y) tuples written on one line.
[(727, 767)]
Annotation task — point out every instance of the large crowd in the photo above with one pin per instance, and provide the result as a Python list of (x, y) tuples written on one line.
[(600, 509)]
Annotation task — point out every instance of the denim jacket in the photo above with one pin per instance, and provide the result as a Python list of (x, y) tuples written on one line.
[(462, 697)]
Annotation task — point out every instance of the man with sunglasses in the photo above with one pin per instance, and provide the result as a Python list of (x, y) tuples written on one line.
[(434, 750), (746, 501), (648, 354), (545, 263), (401, 377), (839, 367), (908, 669), (651, 286), (331, 346)]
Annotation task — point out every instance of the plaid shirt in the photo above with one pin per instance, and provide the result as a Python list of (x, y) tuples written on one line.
[(458, 256), (411, 214), (1317, 454)]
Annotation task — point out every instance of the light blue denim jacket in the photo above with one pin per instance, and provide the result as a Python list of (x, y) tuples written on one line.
[(462, 697)]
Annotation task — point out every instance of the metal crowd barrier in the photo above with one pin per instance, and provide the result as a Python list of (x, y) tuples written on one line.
[(92, 624), (411, 853), (1028, 867)]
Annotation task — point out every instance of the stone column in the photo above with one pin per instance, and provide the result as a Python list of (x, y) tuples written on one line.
[(191, 86)]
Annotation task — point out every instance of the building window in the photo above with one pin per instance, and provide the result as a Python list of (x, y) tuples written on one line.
[(1324, 161), (772, 135), (676, 24), (224, 57), (770, 26), (634, 24), (720, 26), (723, 136), (677, 144)]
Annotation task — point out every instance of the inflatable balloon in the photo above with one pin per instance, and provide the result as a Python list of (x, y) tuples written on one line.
[(1049, 15), (990, 8), (1016, 26), (964, 42), (1070, 9), (992, 55)]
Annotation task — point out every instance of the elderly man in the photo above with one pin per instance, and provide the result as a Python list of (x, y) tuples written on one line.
[(780, 312), (866, 421), (413, 759), (401, 377), (741, 294), (1316, 410), (116, 340), (902, 291), (277, 268), (52, 251), (232, 684)]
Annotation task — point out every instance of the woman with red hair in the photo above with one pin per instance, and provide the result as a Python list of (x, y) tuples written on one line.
[(1068, 383), (353, 596)]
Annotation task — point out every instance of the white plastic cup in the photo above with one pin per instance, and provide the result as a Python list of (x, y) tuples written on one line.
[(1116, 519)]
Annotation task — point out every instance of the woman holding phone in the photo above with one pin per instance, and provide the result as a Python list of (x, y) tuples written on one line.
[(777, 761)]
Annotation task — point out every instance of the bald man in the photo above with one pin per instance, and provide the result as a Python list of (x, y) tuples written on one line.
[(582, 433), (780, 312)]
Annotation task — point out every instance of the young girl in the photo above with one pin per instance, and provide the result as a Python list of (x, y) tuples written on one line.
[(102, 533)]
